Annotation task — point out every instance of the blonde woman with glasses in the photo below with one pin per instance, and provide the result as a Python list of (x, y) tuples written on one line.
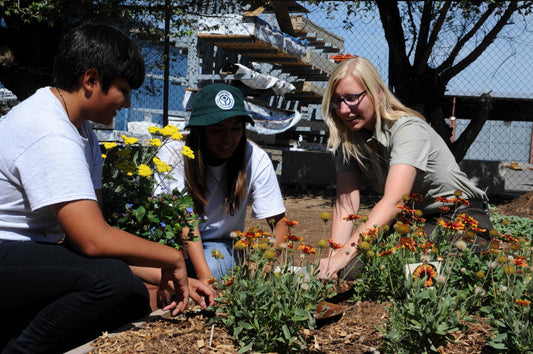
[(378, 140)]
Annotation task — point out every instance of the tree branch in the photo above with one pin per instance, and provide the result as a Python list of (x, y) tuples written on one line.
[(413, 28), (392, 26), (421, 45), (447, 74), (434, 34), (463, 40)]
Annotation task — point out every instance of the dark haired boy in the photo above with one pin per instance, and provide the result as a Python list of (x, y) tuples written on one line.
[(64, 271)]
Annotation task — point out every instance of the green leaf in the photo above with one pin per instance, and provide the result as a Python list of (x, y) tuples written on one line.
[(139, 213), (245, 325), (286, 332)]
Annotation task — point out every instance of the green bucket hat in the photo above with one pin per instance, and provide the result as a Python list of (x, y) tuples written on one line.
[(215, 103)]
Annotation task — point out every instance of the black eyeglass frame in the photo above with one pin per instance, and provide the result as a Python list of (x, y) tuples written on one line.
[(334, 105)]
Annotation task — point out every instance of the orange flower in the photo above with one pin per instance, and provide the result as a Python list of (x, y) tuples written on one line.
[(229, 282), (406, 209), (444, 209), (509, 238), (307, 249), (334, 245), (293, 238), (452, 225), (387, 252), (211, 280), (523, 302), (352, 217), (406, 242), (520, 261), (290, 222), (417, 198), (426, 245), (426, 270), (461, 201), (443, 200)]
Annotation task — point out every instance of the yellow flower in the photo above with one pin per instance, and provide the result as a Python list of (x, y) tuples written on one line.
[(169, 130), (364, 245), (187, 152), (403, 229), (323, 243), (270, 254), (144, 170), (161, 165), (325, 216), (108, 146), (153, 130), (155, 142), (509, 270), (128, 140), (240, 245), (176, 136), (104, 156)]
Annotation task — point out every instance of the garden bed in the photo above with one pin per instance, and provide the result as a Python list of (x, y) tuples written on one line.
[(354, 332)]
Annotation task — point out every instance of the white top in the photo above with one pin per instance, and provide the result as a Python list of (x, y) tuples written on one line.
[(43, 161), (263, 190)]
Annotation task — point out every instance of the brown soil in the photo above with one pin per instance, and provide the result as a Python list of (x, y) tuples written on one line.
[(354, 332)]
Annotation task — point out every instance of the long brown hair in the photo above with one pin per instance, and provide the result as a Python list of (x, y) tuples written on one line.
[(234, 172)]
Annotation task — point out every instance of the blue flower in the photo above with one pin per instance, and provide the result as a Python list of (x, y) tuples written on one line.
[(162, 224), (129, 205), (189, 210)]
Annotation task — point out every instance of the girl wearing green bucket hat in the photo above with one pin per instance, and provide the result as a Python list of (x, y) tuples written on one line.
[(227, 173)]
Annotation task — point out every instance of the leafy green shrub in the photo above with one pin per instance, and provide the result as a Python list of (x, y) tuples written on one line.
[(433, 282), (271, 295)]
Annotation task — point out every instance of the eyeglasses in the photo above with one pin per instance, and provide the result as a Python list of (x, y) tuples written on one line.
[(349, 100)]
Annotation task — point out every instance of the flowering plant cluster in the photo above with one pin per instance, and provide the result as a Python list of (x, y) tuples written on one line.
[(272, 293), (128, 196), (454, 279)]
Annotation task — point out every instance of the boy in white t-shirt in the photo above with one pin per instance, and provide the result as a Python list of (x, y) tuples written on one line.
[(64, 271)]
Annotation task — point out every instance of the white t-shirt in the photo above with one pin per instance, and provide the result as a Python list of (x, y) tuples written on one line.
[(263, 190), (43, 161)]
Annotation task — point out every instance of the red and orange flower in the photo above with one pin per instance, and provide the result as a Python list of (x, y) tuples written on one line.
[(426, 271), (334, 245)]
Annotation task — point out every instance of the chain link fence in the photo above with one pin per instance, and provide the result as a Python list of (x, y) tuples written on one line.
[(283, 78)]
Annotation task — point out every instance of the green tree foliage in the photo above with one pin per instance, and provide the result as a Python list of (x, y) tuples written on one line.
[(31, 30)]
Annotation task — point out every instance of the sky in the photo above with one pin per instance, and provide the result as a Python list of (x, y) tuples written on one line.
[(504, 68)]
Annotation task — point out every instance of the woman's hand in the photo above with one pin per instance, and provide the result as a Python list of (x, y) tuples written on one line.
[(330, 266)]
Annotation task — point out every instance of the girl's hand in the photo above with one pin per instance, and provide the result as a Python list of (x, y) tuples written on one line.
[(180, 296), (200, 292)]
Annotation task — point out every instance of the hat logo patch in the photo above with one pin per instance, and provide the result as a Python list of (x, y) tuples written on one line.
[(224, 100)]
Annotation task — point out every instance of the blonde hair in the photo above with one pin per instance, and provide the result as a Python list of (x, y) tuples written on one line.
[(387, 107)]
